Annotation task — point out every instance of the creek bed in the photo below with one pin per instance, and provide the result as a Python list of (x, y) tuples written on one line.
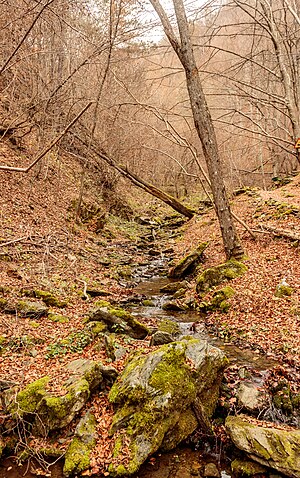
[(182, 462)]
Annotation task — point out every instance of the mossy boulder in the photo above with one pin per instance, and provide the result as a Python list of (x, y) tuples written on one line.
[(219, 274), (188, 264), (219, 301), (47, 297), (34, 309), (272, 447), (62, 319), (154, 397), (55, 412), (173, 287), (247, 468), (26, 401), (77, 458), (169, 326), (174, 305), (118, 320)]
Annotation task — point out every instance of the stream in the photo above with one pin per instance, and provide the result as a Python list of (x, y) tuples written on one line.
[(183, 462)]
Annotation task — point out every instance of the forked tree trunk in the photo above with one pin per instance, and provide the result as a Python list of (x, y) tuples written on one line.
[(203, 123)]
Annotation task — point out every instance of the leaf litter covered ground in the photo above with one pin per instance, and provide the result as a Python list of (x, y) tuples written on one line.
[(51, 252)]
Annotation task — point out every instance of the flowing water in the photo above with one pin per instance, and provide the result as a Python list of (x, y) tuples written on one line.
[(183, 462)]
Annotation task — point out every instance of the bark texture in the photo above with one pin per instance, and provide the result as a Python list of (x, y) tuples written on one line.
[(203, 123)]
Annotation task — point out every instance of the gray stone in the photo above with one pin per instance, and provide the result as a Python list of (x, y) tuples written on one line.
[(251, 398), (276, 448), (161, 338), (154, 397)]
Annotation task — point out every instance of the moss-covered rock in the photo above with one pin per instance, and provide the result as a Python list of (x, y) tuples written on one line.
[(218, 301), (272, 447), (62, 319), (154, 396), (218, 274), (47, 297), (188, 264), (117, 320), (55, 412), (283, 290), (173, 287), (174, 305), (27, 400), (160, 338), (77, 458), (169, 326), (34, 309), (247, 468)]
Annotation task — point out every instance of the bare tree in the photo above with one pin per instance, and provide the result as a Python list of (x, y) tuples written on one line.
[(203, 122)]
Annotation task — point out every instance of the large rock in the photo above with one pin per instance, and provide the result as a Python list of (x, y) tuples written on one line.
[(188, 264), (273, 447), (53, 413), (118, 320), (219, 274), (77, 458), (47, 412), (154, 399)]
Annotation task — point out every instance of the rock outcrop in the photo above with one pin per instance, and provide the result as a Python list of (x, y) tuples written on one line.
[(219, 274), (154, 399), (117, 320), (272, 447), (77, 458)]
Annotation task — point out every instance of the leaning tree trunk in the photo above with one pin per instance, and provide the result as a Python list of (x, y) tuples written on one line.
[(136, 180), (203, 123)]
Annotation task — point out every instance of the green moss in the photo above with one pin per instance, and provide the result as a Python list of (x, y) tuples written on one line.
[(148, 303), (2, 340), (28, 399), (57, 412), (34, 324), (216, 275), (58, 318), (99, 304), (77, 458), (246, 468), (283, 291), (97, 327), (3, 303), (49, 298), (169, 326)]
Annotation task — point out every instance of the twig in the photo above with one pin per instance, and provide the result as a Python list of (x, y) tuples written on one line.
[(84, 295), (13, 241)]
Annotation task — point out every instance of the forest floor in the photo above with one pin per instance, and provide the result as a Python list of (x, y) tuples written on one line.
[(42, 247)]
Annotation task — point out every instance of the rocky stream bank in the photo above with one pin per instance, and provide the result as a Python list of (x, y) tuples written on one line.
[(181, 384)]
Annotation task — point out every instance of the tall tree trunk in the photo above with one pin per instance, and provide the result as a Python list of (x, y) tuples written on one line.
[(203, 123)]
